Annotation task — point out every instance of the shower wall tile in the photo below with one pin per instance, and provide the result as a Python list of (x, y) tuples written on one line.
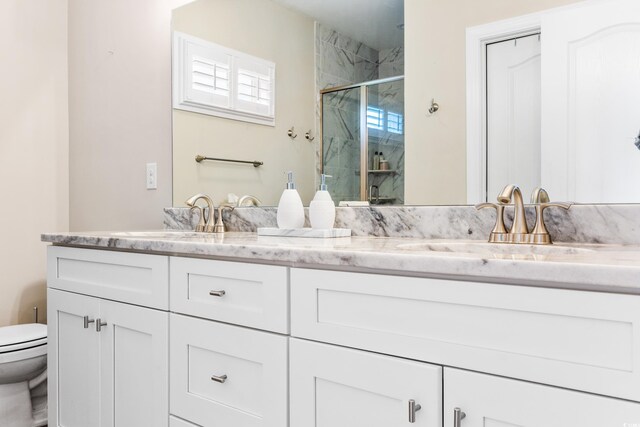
[(337, 62), (330, 36), (365, 70), (391, 62)]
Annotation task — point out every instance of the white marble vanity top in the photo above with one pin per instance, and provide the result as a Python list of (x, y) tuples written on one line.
[(609, 268)]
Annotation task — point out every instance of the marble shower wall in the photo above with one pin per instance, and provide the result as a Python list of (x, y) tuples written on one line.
[(341, 61)]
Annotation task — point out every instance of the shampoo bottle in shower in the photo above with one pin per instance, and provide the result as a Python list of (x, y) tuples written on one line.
[(322, 210), (290, 210)]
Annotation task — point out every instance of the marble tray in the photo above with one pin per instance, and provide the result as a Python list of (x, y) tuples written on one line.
[(304, 232)]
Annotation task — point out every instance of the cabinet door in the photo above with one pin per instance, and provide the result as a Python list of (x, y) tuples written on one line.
[(74, 360), (134, 365), (490, 401), (338, 387)]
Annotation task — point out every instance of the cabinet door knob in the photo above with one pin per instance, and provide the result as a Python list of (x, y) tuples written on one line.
[(217, 293), (100, 324), (219, 379), (86, 321), (413, 408), (458, 416)]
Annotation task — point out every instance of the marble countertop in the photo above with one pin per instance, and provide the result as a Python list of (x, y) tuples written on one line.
[(596, 267)]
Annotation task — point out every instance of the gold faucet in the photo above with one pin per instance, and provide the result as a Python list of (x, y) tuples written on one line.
[(203, 226), (519, 232)]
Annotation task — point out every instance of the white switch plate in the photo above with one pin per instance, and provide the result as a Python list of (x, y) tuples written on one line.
[(152, 176)]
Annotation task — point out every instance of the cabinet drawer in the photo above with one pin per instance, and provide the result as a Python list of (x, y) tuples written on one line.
[(254, 391), (492, 401), (573, 339), (239, 293), (339, 387), (134, 278)]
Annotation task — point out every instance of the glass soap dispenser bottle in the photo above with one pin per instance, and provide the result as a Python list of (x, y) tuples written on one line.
[(322, 210), (290, 210)]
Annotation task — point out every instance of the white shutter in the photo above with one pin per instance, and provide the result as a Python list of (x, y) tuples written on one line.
[(255, 86), (218, 81), (206, 80)]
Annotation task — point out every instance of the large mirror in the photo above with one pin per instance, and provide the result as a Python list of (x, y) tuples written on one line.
[(407, 101)]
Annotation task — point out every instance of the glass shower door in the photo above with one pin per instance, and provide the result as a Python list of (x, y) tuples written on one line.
[(341, 143), (385, 142)]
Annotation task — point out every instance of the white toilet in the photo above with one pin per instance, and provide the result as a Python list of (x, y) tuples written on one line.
[(23, 375)]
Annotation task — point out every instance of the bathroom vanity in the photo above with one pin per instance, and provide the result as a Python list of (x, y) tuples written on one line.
[(184, 329)]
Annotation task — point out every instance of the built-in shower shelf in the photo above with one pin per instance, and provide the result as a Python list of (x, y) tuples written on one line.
[(382, 200)]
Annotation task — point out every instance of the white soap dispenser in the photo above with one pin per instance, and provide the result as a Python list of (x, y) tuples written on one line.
[(322, 210), (290, 209)]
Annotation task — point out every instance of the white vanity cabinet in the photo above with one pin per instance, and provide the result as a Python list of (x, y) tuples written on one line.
[(186, 342), (114, 374)]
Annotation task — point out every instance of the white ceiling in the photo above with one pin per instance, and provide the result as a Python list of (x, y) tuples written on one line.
[(373, 22)]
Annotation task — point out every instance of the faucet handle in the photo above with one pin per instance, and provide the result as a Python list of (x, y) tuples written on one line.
[(539, 195), (201, 223), (219, 227), (499, 233), (540, 235)]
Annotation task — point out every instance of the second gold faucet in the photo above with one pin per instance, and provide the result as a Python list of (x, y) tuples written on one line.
[(519, 232)]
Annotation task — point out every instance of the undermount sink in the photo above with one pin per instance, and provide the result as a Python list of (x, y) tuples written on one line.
[(156, 234), (484, 248)]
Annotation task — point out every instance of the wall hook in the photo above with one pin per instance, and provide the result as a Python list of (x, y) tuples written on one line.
[(291, 134), (308, 136), (434, 107)]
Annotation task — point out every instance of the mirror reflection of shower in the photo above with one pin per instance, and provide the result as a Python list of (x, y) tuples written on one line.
[(363, 130)]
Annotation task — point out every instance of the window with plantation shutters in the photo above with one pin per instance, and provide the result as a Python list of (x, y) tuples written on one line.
[(218, 81)]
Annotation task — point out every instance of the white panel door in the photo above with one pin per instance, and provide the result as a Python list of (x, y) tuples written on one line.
[(590, 108), (489, 401), (332, 386), (134, 365), (74, 360), (513, 115)]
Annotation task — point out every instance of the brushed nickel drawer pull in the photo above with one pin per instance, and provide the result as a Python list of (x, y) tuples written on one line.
[(217, 293), (413, 408), (86, 321), (219, 379), (458, 416), (100, 324)]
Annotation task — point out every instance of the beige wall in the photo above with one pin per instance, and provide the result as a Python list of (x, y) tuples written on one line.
[(120, 112), (435, 68), (269, 31), (33, 148)]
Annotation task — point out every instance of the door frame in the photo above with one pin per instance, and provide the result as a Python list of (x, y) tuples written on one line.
[(476, 59)]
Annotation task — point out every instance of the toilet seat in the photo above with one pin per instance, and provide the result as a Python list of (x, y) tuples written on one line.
[(22, 337)]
